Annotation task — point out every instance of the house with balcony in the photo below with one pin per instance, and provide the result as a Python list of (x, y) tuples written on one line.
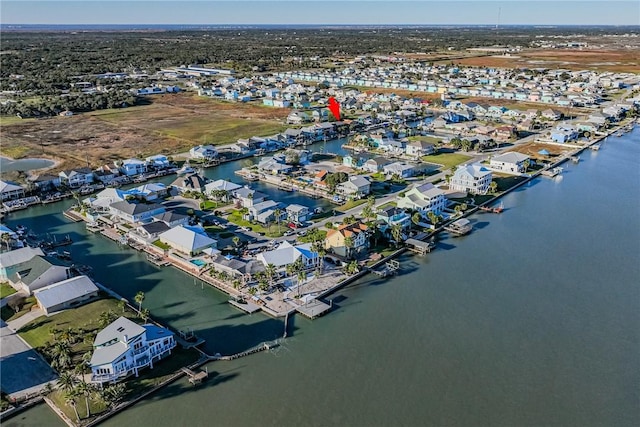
[(298, 214), (135, 212), (159, 161), (419, 148), (124, 348), (9, 191), (347, 239), (205, 152), (424, 198), (133, 167), (473, 178), (511, 162), (76, 178), (392, 216), (355, 186)]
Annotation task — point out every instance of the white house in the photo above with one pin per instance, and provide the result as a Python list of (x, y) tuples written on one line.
[(75, 178), (187, 240), (298, 213), (135, 212), (10, 191), (356, 185), (248, 197), (206, 152), (424, 198), (511, 162), (132, 167), (124, 348), (221, 185), (287, 254), (65, 294), (38, 272), (159, 161), (473, 178), (401, 169), (419, 148)]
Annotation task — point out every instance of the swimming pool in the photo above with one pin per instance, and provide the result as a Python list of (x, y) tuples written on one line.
[(198, 262)]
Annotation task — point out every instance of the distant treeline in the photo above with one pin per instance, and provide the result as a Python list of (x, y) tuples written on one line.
[(52, 105)]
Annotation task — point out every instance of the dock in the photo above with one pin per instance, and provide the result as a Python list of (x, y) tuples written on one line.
[(157, 260), (391, 267), (550, 173), (420, 247), (73, 216), (314, 308), (246, 306), (196, 377)]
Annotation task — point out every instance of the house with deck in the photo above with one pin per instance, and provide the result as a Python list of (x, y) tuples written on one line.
[(75, 178), (511, 162), (298, 214), (133, 167), (424, 198), (347, 239), (286, 254), (473, 178), (205, 152), (190, 241), (124, 348), (134, 212)]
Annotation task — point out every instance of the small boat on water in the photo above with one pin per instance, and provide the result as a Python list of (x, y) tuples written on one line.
[(185, 169)]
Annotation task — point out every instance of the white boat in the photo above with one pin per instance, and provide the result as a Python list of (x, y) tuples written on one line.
[(185, 169)]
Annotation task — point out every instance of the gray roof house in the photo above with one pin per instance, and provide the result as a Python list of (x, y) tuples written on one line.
[(356, 186), (135, 212), (190, 182), (511, 162), (16, 257), (66, 294), (188, 240), (123, 348), (38, 272)]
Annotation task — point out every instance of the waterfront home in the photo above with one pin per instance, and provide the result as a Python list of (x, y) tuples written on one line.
[(102, 200), (511, 162), (376, 164), (298, 214), (265, 212), (298, 117), (150, 232), (75, 178), (134, 212), (391, 216), (190, 182), (424, 198), (401, 169), (159, 161), (246, 197), (274, 166), (124, 348), (133, 167), (236, 267), (9, 261), (149, 192), (564, 133), (473, 178), (10, 191), (46, 182), (189, 241), (320, 114), (419, 148), (221, 185), (38, 272), (106, 175), (286, 254), (205, 152), (66, 294), (355, 186), (347, 239)]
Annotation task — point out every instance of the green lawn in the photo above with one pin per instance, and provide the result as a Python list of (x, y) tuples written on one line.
[(60, 400), (11, 120), (272, 231), (8, 314), (429, 139), (211, 204), (37, 332), (447, 160), (350, 205), (161, 245), (6, 290)]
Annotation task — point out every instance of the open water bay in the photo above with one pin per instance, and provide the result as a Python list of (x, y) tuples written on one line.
[(532, 320)]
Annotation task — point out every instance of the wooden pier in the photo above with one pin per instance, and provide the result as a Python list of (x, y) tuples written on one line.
[(73, 216), (314, 308), (390, 267), (196, 377), (157, 260)]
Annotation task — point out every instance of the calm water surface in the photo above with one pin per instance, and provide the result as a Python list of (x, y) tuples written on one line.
[(532, 320)]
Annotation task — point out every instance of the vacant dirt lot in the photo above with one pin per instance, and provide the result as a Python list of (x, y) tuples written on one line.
[(531, 149), (170, 124), (603, 60)]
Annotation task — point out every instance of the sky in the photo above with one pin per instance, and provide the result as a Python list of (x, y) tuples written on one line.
[(292, 12)]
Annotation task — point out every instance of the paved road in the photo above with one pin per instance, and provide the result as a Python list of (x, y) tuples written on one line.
[(23, 370)]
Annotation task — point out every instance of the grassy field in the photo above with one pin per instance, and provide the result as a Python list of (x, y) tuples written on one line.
[(447, 160), (37, 332), (6, 290), (350, 205), (170, 124), (271, 231)]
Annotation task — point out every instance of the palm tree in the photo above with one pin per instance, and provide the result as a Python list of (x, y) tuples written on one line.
[(433, 218), (87, 390), (106, 317), (113, 394), (144, 314), (270, 271), (302, 276), (494, 186), (138, 299), (122, 304), (415, 218), (348, 244), (277, 213), (66, 381), (396, 233), (236, 241)]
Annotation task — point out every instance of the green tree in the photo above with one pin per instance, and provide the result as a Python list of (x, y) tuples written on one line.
[(278, 213), (270, 270), (493, 187), (138, 299), (416, 218), (87, 390), (348, 244), (144, 314), (396, 233), (302, 276), (67, 382)]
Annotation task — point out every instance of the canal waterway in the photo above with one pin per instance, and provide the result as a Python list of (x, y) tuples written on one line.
[(533, 319)]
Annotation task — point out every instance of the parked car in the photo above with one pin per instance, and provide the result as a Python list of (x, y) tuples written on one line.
[(245, 229)]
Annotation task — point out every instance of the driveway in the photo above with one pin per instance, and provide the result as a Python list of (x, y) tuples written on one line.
[(23, 370)]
